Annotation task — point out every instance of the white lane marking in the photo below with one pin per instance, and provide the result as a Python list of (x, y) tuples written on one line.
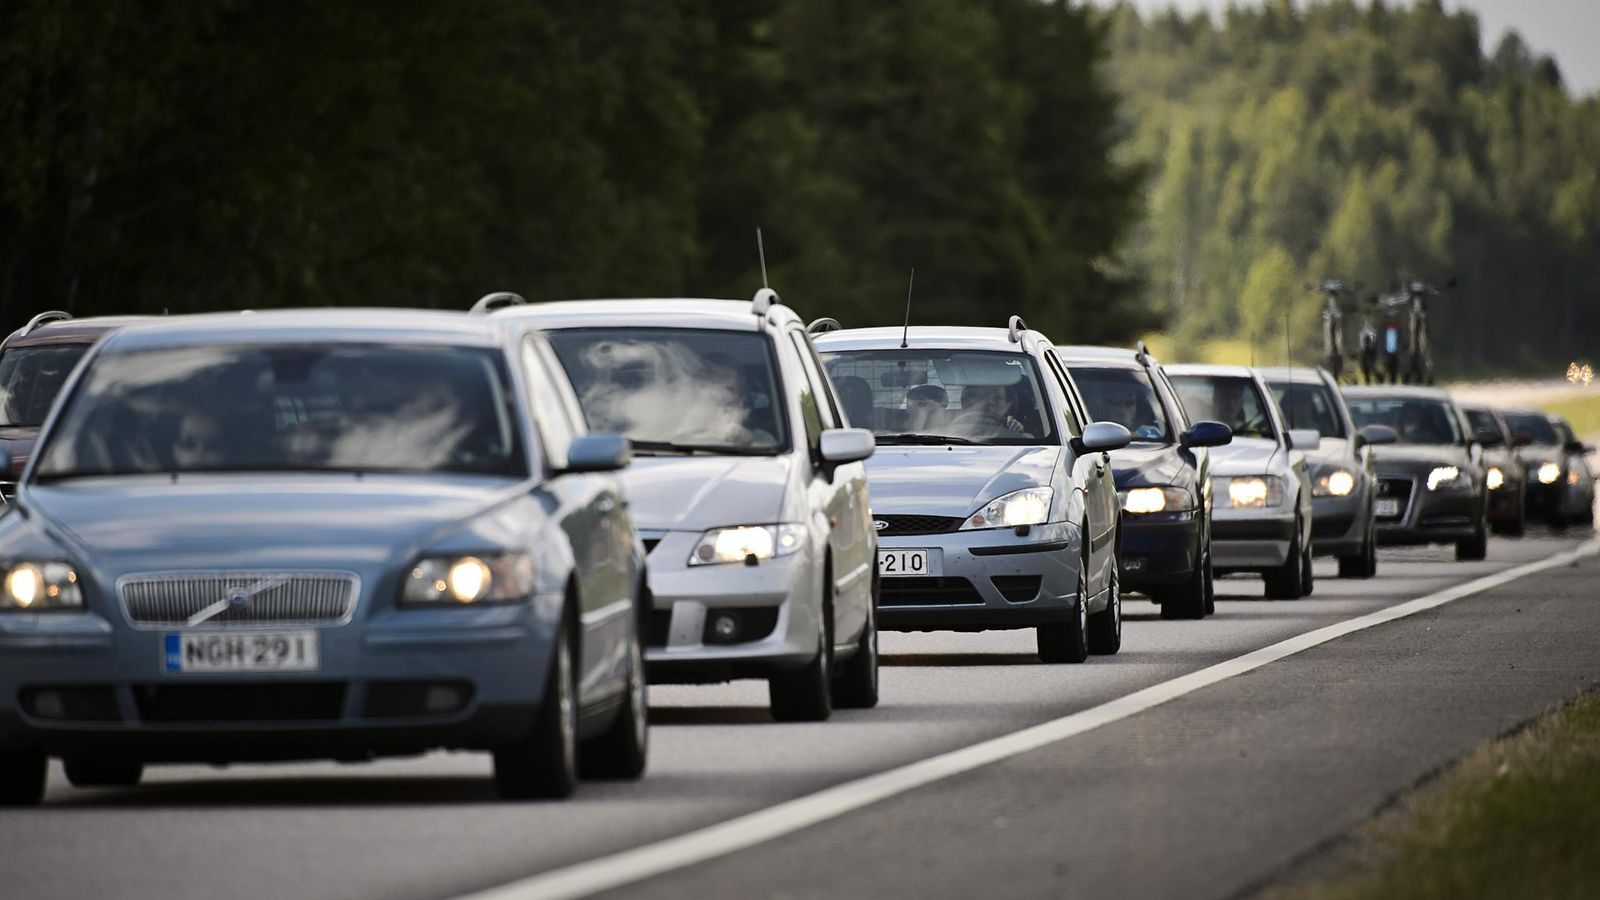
[(629, 866)]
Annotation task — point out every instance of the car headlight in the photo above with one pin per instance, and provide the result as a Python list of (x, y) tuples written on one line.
[(1573, 477), (748, 544), (1549, 473), (465, 580), (1145, 500), (1337, 483), (1494, 479), (1029, 506), (1446, 477), (1255, 491), (40, 585)]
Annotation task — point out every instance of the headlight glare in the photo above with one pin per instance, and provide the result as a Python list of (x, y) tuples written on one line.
[(1443, 476), (1549, 473), (1255, 491), (1029, 506), (1494, 479), (1337, 483), (469, 579), (748, 544), (40, 586), (1146, 500)]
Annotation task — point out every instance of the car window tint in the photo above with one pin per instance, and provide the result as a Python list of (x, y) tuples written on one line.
[(1125, 396), (930, 395), (30, 378), (1307, 404), (549, 407), (826, 408), (1417, 420), (1482, 418), (1230, 399), (1535, 426)]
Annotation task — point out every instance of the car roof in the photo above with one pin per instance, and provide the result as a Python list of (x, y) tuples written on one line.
[(1293, 373), (1209, 369), (1122, 357), (355, 325), (662, 312), (941, 337), (74, 331), (1398, 390)]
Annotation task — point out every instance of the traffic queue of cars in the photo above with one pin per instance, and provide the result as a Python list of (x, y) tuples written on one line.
[(348, 534)]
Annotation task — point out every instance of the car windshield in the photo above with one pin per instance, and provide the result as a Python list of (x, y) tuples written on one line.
[(1232, 400), (1535, 426), (943, 396), (301, 407), (677, 389), (1308, 404), (1417, 420), (1481, 419), (30, 378), (1123, 396)]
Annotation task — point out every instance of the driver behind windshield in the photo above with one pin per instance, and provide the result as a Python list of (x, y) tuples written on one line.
[(1124, 397), (985, 412)]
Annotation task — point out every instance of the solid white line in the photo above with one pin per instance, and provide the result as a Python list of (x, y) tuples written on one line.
[(629, 866)]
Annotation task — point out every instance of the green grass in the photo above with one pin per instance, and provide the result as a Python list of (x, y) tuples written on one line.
[(1582, 412), (1520, 817)]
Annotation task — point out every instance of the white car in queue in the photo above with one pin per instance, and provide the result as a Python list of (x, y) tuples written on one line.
[(748, 488), (992, 490)]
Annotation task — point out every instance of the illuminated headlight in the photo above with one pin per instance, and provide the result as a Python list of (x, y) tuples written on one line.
[(748, 544), (464, 580), (1029, 506), (1338, 483), (1549, 473), (1494, 479), (1445, 477), (1145, 500), (41, 585), (1573, 477), (1255, 491)]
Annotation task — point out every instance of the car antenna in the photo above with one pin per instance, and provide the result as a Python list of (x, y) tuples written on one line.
[(761, 252), (906, 329)]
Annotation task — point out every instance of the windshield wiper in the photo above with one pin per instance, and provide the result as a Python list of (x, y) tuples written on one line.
[(913, 438), (656, 448)]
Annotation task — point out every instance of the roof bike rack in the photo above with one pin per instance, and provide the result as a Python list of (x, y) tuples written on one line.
[(1015, 328), (488, 303), (823, 326), (765, 299)]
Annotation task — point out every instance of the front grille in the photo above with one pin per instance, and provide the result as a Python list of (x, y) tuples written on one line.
[(1017, 588), (928, 591), (1399, 489), (239, 702), (251, 598), (898, 525)]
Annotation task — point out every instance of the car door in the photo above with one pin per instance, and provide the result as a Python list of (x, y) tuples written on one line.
[(1093, 472)]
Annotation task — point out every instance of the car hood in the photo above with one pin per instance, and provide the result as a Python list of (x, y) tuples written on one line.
[(151, 523), (1410, 459), (694, 493), (1332, 452), (1138, 465), (1535, 454), (1244, 456), (952, 480)]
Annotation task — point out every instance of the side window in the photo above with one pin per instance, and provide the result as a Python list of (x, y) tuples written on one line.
[(1072, 408), (810, 412), (827, 404), (550, 407)]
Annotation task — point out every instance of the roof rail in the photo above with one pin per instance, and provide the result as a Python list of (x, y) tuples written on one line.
[(1015, 328), (488, 303), (1142, 354), (823, 326), (44, 318), (765, 299)]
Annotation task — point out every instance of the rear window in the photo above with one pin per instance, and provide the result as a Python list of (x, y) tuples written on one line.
[(30, 378)]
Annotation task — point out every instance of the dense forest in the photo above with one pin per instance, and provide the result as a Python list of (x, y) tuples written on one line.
[(1374, 142), (217, 154)]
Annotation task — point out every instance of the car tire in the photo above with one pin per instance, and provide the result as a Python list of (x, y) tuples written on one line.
[(1308, 575), (621, 751), (806, 695), (1287, 582), (856, 684), (1365, 563), (92, 773), (22, 778), (1210, 582), (1188, 600), (1105, 626), (1476, 547), (1068, 642), (544, 764)]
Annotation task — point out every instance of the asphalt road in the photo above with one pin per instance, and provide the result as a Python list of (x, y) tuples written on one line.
[(1209, 795)]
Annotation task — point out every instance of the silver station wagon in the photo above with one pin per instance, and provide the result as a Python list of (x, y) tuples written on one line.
[(992, 492), (748, 488), (320, 534)]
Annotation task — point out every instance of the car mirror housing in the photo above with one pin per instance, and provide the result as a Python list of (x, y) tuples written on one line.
[(599, 453), (1103, 437), (1207, 434), (1379, 434), (1488, 437), (846, 445), (1304, 439)]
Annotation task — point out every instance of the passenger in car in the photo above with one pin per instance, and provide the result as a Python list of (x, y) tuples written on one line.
[(927, 408)]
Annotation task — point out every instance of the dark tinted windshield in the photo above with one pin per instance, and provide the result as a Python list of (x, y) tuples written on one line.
[(1415, 420), (1480, 419), (677, 387), (1307, 404), (943, 396), (1124, 396), (1230, 399), (1536, 426), (304, 407), (30, 378)]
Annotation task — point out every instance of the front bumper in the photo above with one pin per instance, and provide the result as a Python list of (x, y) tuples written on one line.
[(1339, 524), (1159, 549), (1251, 539), (987, 579), (1428, 517)]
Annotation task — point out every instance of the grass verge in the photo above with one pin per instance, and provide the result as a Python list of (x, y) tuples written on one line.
[(1520, 817), (1582, 412)]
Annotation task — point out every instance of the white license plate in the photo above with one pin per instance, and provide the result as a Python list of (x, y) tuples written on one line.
[(1387, 507), (893, 563), (240, 651)]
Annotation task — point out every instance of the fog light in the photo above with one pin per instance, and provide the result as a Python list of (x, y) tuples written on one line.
[(1133, 563), (442, 698), (725, 626), (49, 705)]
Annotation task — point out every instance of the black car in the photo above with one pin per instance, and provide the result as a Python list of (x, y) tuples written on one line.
[(1544, 462), (1431, 482), (1163, 477), (1578, 499), (1505, 476)]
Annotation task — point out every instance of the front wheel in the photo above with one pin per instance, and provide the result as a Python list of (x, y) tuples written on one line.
[(856, 685), (1067, 642), (621, 750), (1105, 626), (102, 773), (1365, 563), (545, 763), (22, 778), (1476, 547), (806, 695), (1287, 582)]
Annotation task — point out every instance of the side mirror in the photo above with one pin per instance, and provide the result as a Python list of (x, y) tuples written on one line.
[(846, 445), (1099, 437), (1206, 434), (1379, 434), (1304, 439), (599, 453)]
